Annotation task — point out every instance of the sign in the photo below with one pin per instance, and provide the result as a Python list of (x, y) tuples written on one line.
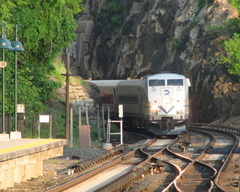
[(44, 118), (166, 92), (20, 108), (3, 64), (120, 111)]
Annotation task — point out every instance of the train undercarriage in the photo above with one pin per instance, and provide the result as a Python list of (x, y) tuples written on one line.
[(167, 124)]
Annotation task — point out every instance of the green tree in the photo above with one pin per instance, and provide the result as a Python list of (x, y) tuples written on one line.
[(235, 3), (233, 55), (45, 28)]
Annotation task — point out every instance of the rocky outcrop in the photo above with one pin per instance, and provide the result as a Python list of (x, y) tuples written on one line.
[(132, 38), (79, 94)]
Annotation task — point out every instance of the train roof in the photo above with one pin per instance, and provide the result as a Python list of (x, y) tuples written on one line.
[(165, 76), (114, 83), (134, 82), (131, 82), (106, 83)]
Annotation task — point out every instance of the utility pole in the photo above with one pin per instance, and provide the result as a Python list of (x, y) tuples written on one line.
[(67, 99)]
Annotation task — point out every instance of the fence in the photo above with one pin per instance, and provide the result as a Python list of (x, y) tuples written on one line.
[(28, 125)]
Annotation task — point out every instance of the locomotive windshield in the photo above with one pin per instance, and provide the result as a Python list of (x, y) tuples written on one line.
[(170, 82), (156, 82), (175, 82)]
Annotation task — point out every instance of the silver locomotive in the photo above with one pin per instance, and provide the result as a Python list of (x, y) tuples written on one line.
[(161, 99)]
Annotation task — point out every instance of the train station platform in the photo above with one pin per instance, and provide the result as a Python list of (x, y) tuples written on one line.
[(22, 159)]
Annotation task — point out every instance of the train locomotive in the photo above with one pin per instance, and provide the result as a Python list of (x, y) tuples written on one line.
[(161, 99)]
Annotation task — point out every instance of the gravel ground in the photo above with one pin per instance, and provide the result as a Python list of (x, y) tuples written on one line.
[(70, 156), (53, 169), (82, 153)]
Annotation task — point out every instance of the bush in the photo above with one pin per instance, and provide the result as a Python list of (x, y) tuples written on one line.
[(233, 55)]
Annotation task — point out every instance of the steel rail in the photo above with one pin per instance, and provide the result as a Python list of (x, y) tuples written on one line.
[(227, 130), (140, 168), (88, 175), (194, 161), (176, 168), (91, 173)]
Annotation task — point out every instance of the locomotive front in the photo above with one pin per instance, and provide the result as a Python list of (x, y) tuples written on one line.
[(168, 99)]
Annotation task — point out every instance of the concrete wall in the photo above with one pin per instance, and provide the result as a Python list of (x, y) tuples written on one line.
[(18, 169)]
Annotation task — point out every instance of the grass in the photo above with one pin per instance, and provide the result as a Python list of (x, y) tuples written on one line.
[(60, 69)]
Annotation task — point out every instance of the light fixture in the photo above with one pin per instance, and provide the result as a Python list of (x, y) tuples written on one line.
[(17, 46), (5, 44)]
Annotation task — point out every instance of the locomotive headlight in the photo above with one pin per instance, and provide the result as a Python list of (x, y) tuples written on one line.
[(154, 107), (179, 112), (166, 100)]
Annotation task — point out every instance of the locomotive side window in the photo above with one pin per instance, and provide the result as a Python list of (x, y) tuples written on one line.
[(156, 82), (175, 82), (128, 99), (107, 99)]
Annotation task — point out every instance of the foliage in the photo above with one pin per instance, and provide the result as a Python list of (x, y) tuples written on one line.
[(176, 42), (115, 7), (233, 55), (114, 12), (231, 30), (58, 121), (111, 18), (202, 3), (226, 28), (235, 3), (45, 28), (59, 69), (117, 20)]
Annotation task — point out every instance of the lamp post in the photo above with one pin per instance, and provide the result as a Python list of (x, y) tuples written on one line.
[(4, 44), (17, 46)]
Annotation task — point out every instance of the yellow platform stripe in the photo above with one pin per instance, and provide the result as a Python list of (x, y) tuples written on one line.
[(28, 145)]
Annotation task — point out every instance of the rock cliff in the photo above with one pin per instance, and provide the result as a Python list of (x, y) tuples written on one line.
[(132, 38)]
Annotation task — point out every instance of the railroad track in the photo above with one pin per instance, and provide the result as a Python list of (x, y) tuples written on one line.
[(223, 156), (196, 161), (201, 172), (105, 173)]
